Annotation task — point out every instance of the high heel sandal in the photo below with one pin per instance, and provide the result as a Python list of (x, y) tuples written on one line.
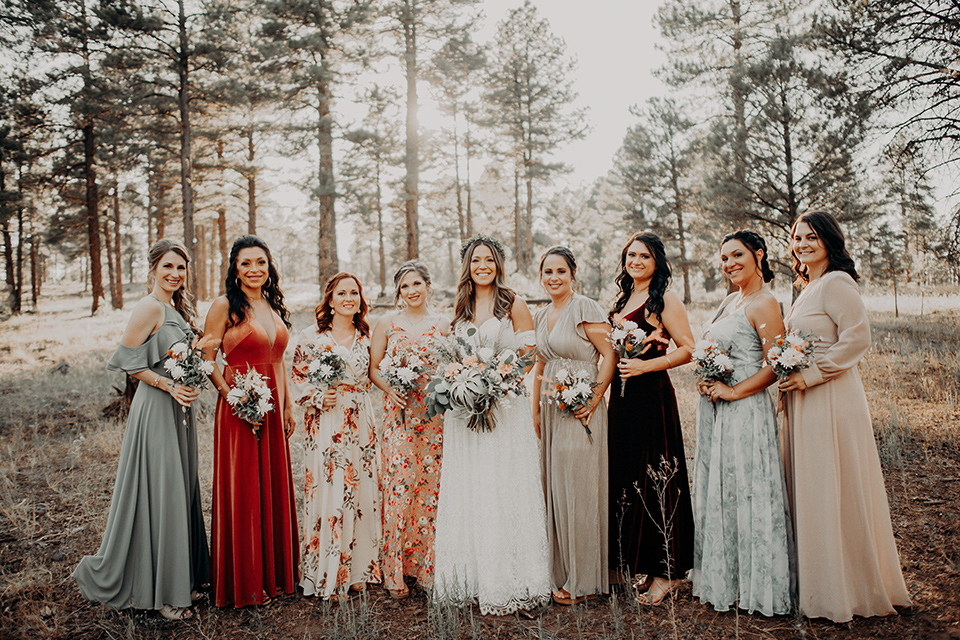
[(658, 591)]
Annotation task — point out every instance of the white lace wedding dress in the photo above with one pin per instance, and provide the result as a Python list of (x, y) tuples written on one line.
[(491, 539)]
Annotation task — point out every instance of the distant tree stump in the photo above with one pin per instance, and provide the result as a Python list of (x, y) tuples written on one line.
[(120, 407)]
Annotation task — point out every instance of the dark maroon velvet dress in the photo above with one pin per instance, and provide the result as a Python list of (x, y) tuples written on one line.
[(644, 428)]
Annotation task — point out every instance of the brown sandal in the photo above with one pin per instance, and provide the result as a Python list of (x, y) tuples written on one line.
[(175, 614)]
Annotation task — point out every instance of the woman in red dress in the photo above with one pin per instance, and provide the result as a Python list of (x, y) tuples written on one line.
[(254, 537)]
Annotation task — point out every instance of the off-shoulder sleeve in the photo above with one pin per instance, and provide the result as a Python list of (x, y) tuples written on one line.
[(586, 311), (137, 359), (301, 390), (842, 302)]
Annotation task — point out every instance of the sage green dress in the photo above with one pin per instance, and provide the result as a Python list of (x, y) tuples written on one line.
[(575, 482), (154, 550)]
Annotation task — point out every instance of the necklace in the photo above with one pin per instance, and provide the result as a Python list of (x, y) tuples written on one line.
[(744, 297)]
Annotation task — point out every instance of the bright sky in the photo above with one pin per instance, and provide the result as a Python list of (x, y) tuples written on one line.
[(614, 42)]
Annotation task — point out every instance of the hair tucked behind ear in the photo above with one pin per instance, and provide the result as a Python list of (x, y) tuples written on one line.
[(754, 242)]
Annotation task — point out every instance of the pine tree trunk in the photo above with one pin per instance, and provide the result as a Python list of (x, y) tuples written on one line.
[(327, 262), (517, 222), (108, 247), (738, 94), (186, 140), (116, 244), (251, 186), (222, 233), (461, 221), (90, 176), (381, 253), (681, 231), (412, 157), (200, 262), (8, 259), (35, 273), (151, 204), (466, 148), (17, 306), (161, 214), (528, 217)]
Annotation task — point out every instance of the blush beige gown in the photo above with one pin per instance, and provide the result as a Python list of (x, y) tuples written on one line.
[(847, 559)]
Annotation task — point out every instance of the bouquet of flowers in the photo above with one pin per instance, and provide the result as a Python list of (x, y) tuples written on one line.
[(572, 390), (250, 398), (713, 362), (402, 369), (628, 340), (474, 379), (187, 366), (791, 353), (327, 367)]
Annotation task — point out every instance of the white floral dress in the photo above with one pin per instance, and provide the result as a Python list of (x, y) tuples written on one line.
[(340, 544)]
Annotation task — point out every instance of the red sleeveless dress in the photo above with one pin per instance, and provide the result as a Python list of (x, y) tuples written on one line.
[(254, 538)]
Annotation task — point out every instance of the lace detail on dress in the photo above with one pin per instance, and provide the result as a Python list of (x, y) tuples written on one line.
[(491, 545)]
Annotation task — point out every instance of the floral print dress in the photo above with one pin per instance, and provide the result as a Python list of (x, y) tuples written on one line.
[(340, 545), (410, 480)]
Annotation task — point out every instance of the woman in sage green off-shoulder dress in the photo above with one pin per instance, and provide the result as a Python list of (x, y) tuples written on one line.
[(154, 551)]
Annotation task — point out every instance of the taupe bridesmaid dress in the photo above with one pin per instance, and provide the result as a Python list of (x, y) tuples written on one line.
[(575, 479), (847, 559)]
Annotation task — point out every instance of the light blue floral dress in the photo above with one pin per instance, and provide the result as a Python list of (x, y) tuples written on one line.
[(741, 551)]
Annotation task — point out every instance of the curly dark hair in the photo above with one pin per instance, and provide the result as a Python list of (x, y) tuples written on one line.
[(182, 298), (659, 282), (465, 303), (239, 305), (324, 310), (754, 242), (828, 230)]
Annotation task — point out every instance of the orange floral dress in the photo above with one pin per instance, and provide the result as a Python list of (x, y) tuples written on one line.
[(340, 545), (411, 447)]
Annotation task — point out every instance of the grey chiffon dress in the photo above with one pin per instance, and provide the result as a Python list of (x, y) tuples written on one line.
[(574, 470), (154, 550), (741, 549)]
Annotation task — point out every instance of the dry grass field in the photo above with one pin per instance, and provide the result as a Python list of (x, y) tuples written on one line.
[(58, 460)]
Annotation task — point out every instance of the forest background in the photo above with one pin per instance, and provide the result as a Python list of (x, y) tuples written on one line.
[(356, 134)]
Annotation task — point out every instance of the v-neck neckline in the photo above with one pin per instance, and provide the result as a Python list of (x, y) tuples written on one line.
[(276, 331), (353, 342)]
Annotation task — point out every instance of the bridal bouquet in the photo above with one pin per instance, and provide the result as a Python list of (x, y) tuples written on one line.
[(713, 362), (250, 398), (791, 353), (402, 369), (571, 390), (187, 366), (474, 379)]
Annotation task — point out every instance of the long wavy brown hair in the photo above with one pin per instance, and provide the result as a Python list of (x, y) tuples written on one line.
[(828, 230), (324, 310), (466, 301), (182, 299)]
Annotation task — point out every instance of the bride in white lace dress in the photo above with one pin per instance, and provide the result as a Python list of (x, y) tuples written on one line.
[(491, 540)]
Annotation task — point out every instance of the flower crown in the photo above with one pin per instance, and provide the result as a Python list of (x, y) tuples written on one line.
[(484, 239)]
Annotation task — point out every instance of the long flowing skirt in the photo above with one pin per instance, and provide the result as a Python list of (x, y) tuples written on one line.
[(491, 545)]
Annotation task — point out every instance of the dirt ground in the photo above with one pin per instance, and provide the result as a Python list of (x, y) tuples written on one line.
[(58, 460)]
